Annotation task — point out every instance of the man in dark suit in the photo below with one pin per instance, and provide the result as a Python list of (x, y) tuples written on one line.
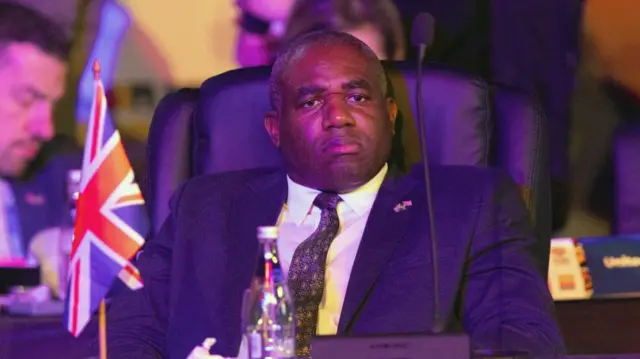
[(33, 52), (341, 210)]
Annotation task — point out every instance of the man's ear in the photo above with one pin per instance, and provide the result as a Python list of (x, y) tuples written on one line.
[(272, 125), (392, 112)]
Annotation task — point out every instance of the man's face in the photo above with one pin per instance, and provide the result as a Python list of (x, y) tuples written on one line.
[(31, 82), (335, 124)]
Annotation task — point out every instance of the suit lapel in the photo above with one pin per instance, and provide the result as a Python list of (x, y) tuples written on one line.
[(385, 227)]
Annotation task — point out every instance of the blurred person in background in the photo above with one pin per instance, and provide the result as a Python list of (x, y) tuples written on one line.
[(266, 25), (261, 25), (33, 55), (377, 23)]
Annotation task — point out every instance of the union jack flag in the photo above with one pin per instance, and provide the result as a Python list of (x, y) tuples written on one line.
[(111, 222)]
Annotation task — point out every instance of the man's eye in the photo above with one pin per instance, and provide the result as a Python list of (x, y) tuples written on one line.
[(357, 98), (310, 103)]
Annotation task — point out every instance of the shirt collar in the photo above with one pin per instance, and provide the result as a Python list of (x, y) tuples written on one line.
[(300, 198)]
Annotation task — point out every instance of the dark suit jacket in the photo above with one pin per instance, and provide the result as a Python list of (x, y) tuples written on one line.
[(41, 198), (196, 269)]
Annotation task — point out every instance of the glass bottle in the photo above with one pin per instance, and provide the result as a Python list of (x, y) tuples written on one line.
[(268, 313)]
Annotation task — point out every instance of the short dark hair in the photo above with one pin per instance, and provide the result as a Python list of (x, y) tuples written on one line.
[(344, 15), (299, 46), (21, 24)]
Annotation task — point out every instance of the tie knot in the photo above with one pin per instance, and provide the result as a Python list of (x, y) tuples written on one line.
[(326, 200)]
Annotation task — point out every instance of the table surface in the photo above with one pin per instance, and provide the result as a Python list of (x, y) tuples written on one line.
[(592, 329), (600, 325), (43, 337)]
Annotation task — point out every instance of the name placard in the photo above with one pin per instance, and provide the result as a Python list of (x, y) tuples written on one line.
[(594, 267), (614, 265)]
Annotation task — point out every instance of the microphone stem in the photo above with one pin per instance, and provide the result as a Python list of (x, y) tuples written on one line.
[(437, 318)]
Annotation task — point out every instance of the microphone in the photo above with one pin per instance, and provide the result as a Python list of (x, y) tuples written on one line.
[(422, 31), (421, 37)]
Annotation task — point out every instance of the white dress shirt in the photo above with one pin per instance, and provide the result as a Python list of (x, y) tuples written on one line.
[(299, 218), (6, 244)]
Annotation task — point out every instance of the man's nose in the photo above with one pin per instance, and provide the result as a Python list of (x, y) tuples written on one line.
[(41, 125), (337, 112)]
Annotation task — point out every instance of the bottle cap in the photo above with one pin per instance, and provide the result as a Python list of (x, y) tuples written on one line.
[(267, 232)]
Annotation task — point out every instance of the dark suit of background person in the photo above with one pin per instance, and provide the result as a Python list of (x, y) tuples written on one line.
[(41, 198)]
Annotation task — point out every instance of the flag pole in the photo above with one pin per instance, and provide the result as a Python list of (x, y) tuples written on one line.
[(102, 313), (102, 325)]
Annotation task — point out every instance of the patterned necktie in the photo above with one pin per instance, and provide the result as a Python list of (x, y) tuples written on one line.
[(306, 274)]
